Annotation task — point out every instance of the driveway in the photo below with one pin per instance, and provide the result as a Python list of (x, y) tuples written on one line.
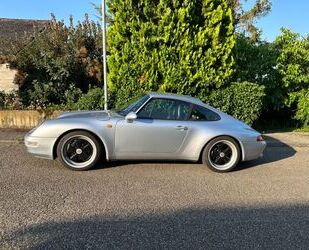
[(263, 204)]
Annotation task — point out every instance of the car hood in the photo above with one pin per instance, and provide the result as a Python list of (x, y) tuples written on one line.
[(101, 115)]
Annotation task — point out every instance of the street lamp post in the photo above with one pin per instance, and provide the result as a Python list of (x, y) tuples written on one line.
[(104, 53)]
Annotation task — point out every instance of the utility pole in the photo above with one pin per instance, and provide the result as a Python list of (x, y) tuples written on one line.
[(104, 53)]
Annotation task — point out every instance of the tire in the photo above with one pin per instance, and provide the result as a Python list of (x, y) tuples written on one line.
[(221, 154), (79, 150)]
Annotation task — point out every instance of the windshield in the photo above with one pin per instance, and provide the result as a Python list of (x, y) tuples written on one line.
[(134, 106)]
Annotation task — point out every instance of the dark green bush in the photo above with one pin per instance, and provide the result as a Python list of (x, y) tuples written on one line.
[(72, 96), (43, 95), (243, 100), (93, 100), (2, 99)]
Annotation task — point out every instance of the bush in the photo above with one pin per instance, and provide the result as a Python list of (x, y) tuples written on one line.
[(302, 114), (72, 96), (243, 100), (10, 101), (44, 94), (93, 100), (2, 99), (56, 58)]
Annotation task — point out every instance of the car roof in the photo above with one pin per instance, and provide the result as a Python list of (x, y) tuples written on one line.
[(176, 97)]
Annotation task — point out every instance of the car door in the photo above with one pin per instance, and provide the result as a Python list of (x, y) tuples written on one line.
[(158, 132)]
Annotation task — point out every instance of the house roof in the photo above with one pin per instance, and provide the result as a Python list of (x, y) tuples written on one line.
[(14, 30)]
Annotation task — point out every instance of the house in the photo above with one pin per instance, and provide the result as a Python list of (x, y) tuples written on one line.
[(13, 32)]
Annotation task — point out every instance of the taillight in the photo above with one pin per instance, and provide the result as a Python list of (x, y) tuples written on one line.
[(260, 138)]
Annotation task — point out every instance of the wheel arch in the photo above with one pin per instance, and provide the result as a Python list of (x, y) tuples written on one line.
[(100, 140), (242, 152)]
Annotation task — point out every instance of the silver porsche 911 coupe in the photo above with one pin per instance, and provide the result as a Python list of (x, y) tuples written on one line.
[(156, 127)]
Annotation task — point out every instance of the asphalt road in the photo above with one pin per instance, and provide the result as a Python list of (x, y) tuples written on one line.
[(264, 204)]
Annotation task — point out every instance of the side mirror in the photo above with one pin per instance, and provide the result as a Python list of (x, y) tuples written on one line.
[(131, 117)]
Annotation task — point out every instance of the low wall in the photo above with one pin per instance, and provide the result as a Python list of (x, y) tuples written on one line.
[(24, 119)]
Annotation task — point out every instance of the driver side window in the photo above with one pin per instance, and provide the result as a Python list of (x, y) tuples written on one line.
[(165, 109)]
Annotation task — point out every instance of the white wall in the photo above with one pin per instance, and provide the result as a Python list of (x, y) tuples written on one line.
[(6, 78)]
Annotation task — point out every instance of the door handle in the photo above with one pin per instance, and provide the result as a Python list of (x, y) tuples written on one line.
[(182, 128)]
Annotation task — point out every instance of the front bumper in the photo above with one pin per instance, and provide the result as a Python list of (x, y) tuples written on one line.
[(39, 146), (253, 150)]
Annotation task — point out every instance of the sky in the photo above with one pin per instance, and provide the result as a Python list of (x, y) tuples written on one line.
[(293, 14), (41, 9)]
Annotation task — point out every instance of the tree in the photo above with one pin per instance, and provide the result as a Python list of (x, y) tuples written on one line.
[(167, 45), (57, 58), (293, 65), (244, 20), (256, 61), (293, 60)]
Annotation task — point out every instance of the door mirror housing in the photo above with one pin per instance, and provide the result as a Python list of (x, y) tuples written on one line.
[(131, 117)]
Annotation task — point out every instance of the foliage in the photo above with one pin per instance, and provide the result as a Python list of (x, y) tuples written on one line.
[(282, 67), (174, 46), (2, 99), (188, 47), (302, 100), (244, 20), (93, 100), (243, 101), (293, 61), (57, 58), (10, 100), (42, 95), (303, 130), (292, 65), (72, 96), (256, 61), (76, 100)]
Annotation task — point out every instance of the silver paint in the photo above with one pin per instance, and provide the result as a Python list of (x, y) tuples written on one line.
[(133, 138)]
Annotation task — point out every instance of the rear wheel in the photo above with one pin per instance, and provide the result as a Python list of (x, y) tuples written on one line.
[(222, 154), (79, 150)]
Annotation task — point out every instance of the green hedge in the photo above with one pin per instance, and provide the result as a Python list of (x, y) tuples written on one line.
[(302, 114), (76, 100), (93, 100), (243, 101)]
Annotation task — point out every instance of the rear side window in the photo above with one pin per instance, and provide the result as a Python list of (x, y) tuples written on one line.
[(200, 113)]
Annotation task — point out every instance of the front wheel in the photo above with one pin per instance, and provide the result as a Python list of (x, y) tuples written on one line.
[(222, 154), (79, 150)]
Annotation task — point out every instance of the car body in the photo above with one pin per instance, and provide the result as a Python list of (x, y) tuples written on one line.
[(156, 127)]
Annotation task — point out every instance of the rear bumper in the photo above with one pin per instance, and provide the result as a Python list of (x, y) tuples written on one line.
[(253, 150), (40, 147)]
